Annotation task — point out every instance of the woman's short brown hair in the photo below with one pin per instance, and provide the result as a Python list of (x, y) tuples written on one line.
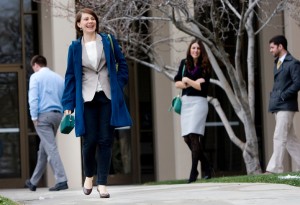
[(78, 19)]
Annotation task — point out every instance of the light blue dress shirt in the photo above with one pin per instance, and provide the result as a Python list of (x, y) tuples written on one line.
[(45, 92)]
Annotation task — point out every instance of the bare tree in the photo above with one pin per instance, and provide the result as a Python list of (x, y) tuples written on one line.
[(293, 7), (135, 22)]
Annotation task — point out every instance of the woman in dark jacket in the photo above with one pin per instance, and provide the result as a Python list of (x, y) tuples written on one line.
[(193, 78)]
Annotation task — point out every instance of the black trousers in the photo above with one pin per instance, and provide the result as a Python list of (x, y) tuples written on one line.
[(98, 138)]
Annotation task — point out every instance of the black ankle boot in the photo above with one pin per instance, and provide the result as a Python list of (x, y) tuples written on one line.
[(193, 176)]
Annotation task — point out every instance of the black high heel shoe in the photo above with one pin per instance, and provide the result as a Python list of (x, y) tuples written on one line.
[(103, 195), (193, 176), (87, 191)]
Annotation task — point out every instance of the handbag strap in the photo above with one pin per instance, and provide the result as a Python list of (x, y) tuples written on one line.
[(113, 49), (183, 69)]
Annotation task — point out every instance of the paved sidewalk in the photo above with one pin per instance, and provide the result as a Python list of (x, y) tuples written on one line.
[(184, 194)]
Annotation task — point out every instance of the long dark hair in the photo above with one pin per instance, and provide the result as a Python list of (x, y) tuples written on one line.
[(203, 61)]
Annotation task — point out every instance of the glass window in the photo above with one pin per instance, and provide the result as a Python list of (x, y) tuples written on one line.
[(10, 165), (31, 41), (29, 5), (10, 38)]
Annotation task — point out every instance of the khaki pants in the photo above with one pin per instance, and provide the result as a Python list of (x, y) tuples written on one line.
[(284, 139)]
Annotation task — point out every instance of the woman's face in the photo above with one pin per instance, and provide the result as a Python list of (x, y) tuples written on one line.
[(87, 23), (195, 51)]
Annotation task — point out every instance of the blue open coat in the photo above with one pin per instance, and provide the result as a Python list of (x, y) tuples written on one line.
[(72, 97)]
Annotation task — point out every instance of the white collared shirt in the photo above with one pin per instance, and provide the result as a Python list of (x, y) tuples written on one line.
[(282, 58)]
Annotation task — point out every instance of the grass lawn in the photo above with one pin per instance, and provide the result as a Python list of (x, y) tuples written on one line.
[(292, 178), (6, 201)]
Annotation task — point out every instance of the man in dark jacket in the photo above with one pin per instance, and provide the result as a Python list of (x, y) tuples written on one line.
[(283, 104)]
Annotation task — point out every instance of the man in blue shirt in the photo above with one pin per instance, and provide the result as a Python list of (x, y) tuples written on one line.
[(44, 97)]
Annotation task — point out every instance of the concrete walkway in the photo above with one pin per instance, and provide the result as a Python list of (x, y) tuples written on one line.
[(183, 194)]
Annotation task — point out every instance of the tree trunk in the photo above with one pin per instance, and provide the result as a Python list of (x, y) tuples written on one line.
[(251, 158)]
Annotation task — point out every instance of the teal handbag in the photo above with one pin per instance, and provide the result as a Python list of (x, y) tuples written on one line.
[(176, 101), (176, 104), (67, 124)]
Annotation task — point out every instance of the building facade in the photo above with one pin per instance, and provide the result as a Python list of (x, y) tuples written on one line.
[(152, 150)]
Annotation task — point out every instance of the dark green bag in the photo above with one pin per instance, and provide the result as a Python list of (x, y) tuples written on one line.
[(67, 124)]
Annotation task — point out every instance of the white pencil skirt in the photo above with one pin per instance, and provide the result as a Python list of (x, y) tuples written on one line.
[(193, 115)]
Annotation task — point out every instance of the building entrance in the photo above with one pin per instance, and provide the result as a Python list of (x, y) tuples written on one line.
[(18, 42), (12, 147)]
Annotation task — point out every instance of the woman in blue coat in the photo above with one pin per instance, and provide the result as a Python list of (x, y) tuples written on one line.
[(94, 90)]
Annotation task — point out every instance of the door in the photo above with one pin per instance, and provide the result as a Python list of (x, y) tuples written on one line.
[(12, 141), (124, 163), (18, 42), (133, 150)]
